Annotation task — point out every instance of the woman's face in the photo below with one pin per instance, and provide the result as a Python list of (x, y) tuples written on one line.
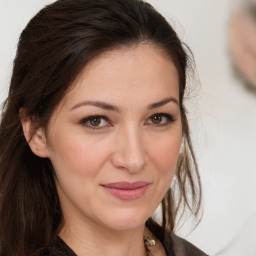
[(115, 138)]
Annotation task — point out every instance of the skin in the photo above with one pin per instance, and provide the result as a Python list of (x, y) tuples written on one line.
[(242, 38), (128, 146)]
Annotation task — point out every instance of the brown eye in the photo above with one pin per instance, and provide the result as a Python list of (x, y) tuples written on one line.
[(157, 119), (95, 121), (160, 119)]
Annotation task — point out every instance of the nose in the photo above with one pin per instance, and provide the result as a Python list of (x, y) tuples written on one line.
[(130, 153)]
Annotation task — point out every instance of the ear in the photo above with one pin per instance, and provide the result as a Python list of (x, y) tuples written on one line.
[(35, 138)]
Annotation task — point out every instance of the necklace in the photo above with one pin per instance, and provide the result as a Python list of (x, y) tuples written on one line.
[(150, 242)]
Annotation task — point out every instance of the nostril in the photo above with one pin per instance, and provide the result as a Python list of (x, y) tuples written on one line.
[(130, 160), (129, 149)]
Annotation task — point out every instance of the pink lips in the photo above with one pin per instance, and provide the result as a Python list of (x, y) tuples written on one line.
[(126, 190)]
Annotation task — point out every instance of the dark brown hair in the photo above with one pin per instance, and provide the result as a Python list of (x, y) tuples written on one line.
[(53, 49)]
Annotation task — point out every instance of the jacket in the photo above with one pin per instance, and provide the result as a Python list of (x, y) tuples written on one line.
[(174, 246)]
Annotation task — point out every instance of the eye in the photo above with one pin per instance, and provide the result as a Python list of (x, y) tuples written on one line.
[(95, 122), (160, 119)]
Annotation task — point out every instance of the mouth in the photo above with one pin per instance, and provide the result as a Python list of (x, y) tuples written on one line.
[(126, 190)]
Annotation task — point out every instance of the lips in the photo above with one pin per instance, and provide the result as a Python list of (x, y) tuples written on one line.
[(127, 190)]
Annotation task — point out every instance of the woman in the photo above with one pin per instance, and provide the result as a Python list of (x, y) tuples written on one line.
[(92, 133)]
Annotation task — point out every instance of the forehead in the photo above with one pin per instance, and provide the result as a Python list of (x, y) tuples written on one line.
[(144, 70)]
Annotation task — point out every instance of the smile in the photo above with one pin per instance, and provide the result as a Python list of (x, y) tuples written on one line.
[(127, 191)]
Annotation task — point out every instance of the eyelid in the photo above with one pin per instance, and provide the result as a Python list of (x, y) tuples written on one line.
[(162, 114), (169, 117), (85, 120)]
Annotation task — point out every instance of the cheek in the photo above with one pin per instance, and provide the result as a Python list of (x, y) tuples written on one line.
[(165, 155), (77, 154), (168, 149)]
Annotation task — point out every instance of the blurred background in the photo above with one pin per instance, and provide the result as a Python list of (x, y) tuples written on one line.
[(222, 36)]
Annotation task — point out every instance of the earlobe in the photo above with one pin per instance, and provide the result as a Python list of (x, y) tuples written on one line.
[(35, 138)]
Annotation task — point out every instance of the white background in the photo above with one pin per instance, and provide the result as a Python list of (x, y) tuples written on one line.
[(223, 125)]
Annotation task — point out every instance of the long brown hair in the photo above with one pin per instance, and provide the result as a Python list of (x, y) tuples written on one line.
[(52, 50)]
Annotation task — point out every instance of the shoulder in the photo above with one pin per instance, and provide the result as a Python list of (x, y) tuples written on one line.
[(181, 247), (173, 244), (58, 247)]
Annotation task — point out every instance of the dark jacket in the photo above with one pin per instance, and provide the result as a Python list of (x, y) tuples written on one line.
[(175, 246)]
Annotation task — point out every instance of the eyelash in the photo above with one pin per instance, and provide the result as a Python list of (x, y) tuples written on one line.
[(169, 119), (85, 121)]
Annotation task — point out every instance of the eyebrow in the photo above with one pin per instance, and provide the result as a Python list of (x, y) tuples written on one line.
[(163, 102), (110, 107), (98, 104)]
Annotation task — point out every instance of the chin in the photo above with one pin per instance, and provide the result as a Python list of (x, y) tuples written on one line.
[(126, 220)]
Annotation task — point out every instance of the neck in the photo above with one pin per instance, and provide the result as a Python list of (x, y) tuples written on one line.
[(95, 240)]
